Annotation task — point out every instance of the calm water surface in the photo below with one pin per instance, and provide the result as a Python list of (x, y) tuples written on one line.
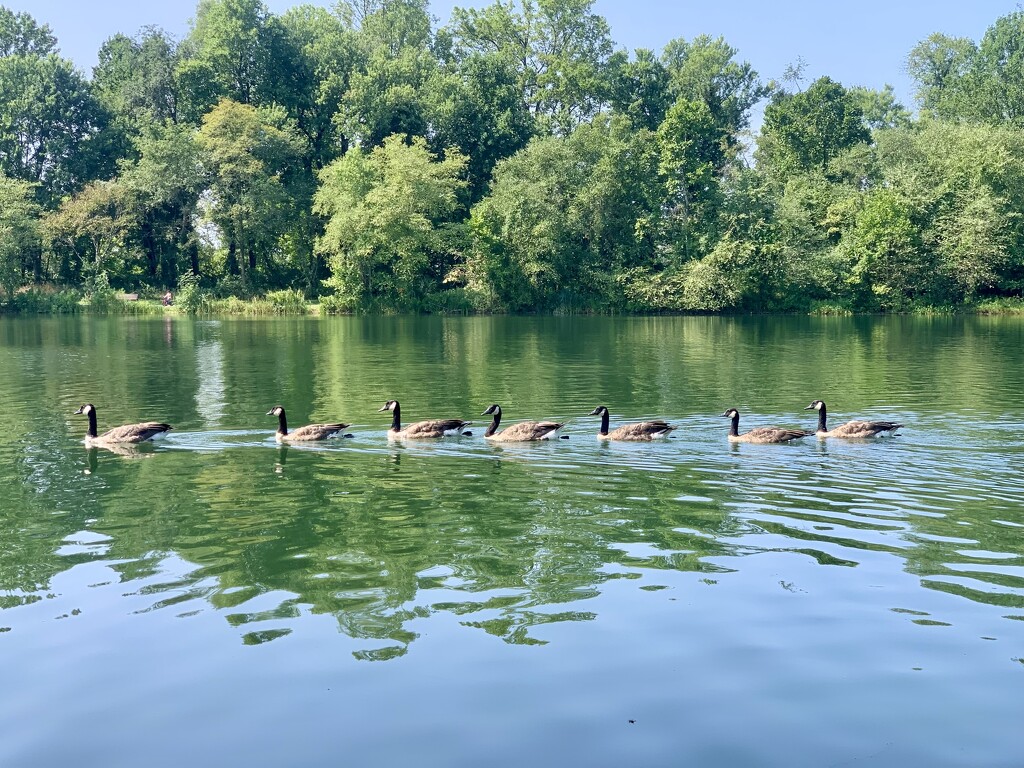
[(219, 600)]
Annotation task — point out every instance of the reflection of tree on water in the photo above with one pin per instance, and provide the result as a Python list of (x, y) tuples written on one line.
[(382, 540)]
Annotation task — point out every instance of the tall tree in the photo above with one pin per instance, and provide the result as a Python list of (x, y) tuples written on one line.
[(165, 182), (21, 35), (50, 125), (1000, 70), (246, 152), (705, 69), (690, 145), (561, 50), (19, 234), (225, 55), (313, 54), (640, 88), (474, 106), (807, 130), (385, 212), (135, 79), (386, 94), (100, 217)]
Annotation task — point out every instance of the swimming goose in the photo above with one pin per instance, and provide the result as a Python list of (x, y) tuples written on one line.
[(423, 429), (521, 432), (302, 434), (640, 430), (127, 433), (851, 429), (761, 434)]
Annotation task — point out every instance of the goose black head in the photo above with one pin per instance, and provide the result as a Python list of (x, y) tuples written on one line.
[(87, 408), (731, 413), (599, 411), (817, 405), (277, 410), (494, 409), (390, 405)]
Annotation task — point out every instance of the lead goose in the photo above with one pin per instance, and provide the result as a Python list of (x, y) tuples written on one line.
[(637, 431), (126, 433), (423, 429), (308, 433), (761, 434), (851, 429), (522, 432)]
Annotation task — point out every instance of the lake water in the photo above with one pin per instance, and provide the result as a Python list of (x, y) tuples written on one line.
[(219, 600)]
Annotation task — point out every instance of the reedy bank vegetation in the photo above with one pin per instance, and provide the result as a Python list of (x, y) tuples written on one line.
[(511, 160)]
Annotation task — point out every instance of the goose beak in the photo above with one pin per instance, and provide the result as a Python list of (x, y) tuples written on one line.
[(379, 410), (594, 412), (809, 407), (726, 413), (270, 412), (485, 413), (80, 411)]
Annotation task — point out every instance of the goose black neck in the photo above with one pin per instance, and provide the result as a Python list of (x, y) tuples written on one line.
[(734, 425), (282, 423), (494, 424), (396, 418), (821, 419), (92, 424), (604, 422)]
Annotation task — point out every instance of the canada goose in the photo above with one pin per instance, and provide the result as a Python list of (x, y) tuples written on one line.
[(521, 432), (127, 433), (640, 430), (761, 434), (302, 434), (851, 429), (423, 429)]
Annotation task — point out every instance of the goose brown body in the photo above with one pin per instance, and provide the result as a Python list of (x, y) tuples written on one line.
[(635, 432), (761, 434), (126, 433), (420, 430), (308, 433), (521, 432), (851, 429)]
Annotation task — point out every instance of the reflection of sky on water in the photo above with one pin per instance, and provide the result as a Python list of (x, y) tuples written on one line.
[(210, 399)]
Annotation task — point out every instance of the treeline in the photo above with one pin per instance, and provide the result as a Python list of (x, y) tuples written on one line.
[(513, 160)]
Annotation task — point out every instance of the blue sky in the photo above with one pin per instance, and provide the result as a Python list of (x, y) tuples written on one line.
[(863, 43)]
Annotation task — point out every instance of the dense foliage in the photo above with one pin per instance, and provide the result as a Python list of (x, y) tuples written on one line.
[(512, 160)]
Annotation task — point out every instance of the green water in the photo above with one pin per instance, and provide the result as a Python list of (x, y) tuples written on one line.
[(218, 600)]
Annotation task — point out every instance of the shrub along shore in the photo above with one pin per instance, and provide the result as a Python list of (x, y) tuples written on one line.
[(293, 303)]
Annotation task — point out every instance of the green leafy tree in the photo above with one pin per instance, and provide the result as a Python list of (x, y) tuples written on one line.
[(706, 70), (808, 130), (50, 125), (880, 108), (640, 88), (97, 225), (313, 54), (561, 51), (889, 267), (386, 209), (166, 182), (135, 78), (20, 241), (386, 94), (474, 106), (21, 35), (225, 55), (1000, 70), (965, 185), (690, 144), (246, 151), (563, 220)]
